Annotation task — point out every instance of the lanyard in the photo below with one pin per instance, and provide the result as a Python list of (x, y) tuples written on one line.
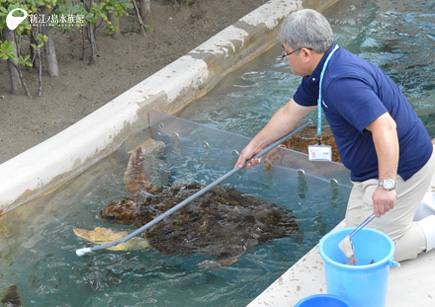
[(319, 99)]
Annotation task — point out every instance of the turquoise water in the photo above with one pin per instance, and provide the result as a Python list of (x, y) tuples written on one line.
[(37, 246), (398, 36), (39, 256)]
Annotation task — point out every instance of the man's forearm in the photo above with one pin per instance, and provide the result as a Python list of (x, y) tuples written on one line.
[(281, 123), (385, 137), (386, 142)]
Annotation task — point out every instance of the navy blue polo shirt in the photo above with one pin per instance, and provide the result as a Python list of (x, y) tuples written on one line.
[(355, 93)]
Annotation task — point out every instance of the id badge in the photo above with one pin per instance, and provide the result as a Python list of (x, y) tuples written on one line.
[(319, 153)]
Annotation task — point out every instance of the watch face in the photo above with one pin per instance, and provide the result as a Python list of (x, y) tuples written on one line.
[(388, 184)]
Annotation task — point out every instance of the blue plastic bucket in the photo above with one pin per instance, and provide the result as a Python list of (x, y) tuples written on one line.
[(322, 300), (364, 284)]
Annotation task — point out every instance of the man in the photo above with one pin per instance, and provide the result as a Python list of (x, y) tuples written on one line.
[(379, 136)]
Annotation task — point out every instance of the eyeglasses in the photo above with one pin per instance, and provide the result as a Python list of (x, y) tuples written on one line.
[(286, 54)]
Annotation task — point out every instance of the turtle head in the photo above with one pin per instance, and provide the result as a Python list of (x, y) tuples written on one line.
[(137, 183)]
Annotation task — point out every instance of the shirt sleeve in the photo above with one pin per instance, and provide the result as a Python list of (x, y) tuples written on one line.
[(356, 101), (306, 94)]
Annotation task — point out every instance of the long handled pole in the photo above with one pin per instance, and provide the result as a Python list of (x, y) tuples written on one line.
[(83, 251)]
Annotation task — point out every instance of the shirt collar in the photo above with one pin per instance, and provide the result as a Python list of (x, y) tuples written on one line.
[(315, 75)]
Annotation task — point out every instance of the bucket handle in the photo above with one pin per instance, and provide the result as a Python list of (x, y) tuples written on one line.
[(393, 262)]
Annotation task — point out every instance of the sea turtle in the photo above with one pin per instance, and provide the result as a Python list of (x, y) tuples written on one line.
[(221, 224)]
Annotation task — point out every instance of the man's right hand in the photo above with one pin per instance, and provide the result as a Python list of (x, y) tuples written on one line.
[(282, 122), (246, 154)]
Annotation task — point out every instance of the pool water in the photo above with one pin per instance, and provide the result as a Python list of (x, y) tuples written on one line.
[(398, 36), (37, 245)]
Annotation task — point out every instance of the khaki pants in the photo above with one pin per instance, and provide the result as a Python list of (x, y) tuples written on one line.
[(397, 223)]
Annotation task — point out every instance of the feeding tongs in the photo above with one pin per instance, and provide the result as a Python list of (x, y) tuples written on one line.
[(346, 245)]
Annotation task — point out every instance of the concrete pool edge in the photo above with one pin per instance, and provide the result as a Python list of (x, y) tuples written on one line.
[(53, 162)]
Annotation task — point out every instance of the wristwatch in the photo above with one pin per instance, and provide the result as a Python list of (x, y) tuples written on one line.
[(388, 184)]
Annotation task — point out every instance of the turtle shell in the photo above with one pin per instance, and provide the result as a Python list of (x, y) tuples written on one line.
[(222, 223)]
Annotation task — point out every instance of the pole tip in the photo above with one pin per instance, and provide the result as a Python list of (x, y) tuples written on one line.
[(83, 251)]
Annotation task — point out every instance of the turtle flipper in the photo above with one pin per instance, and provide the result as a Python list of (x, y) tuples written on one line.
[(102, 235)]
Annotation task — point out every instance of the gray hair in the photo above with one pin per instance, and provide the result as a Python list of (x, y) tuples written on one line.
[(306, 28)]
